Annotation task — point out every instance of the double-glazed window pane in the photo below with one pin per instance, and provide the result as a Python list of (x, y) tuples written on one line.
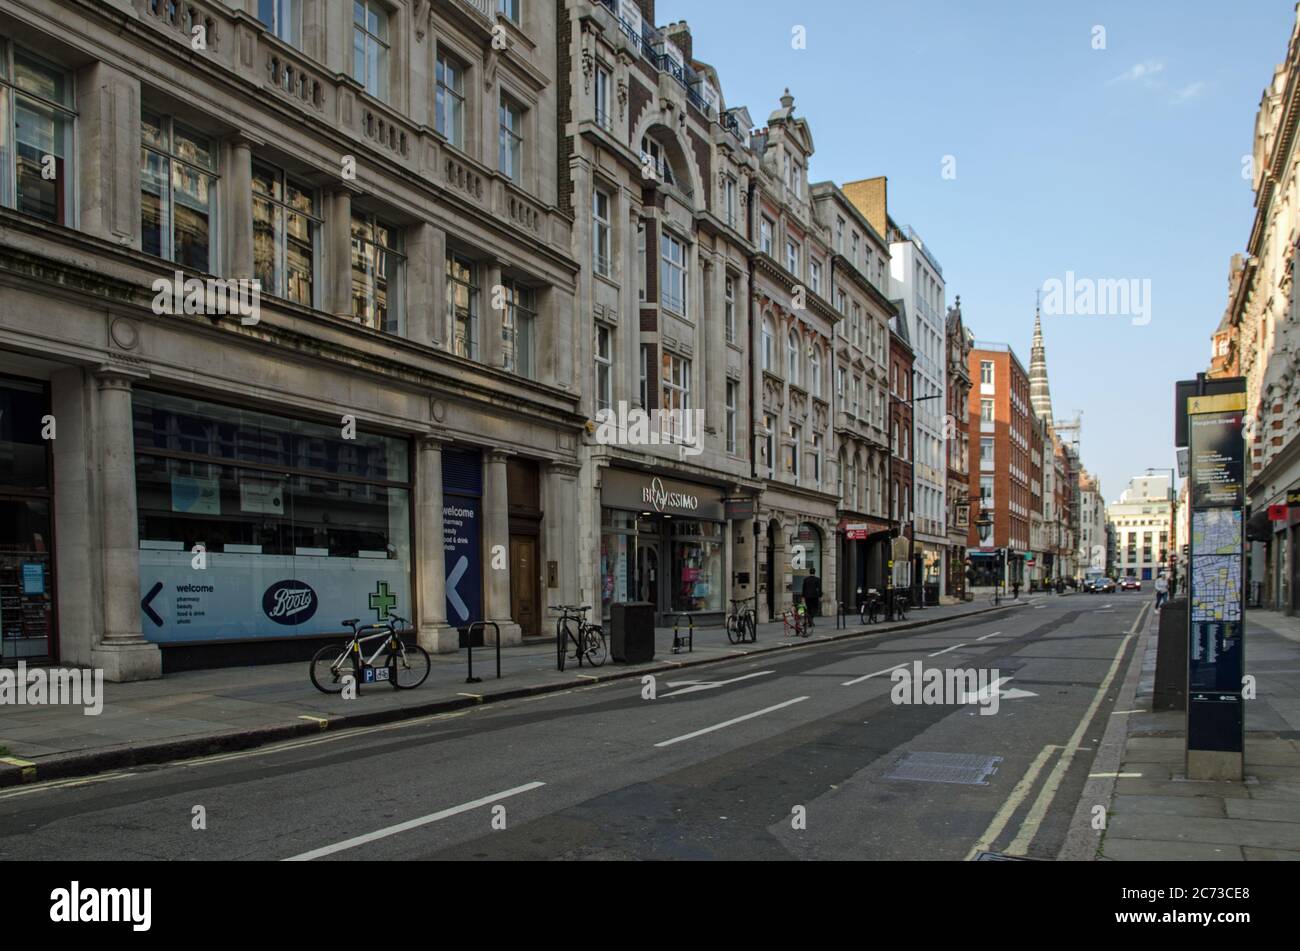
[(512, 140), (178, 190), (284, 236), (377, 267), (462, 307), (370, 47), (449, 117)]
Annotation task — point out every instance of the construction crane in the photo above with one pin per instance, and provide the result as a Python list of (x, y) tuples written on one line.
[(1074, 428)]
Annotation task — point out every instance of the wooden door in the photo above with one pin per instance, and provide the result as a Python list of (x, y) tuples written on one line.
[(524, 582)]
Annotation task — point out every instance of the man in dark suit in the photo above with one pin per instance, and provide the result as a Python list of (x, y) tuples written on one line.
[(812, 595)]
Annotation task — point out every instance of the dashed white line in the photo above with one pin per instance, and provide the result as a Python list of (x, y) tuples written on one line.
[(947, 649), (987, 636), (410, 824), (732, 722), (858, 680)]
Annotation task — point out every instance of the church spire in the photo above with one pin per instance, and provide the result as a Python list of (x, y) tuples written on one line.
[(1040, 396)]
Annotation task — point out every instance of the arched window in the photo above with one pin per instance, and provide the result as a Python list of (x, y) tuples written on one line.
[(815, 371), (769, 343), (792, 356), (655, 156)]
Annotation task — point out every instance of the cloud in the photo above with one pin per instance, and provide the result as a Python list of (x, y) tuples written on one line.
[(1141, 72), (1190, 91)]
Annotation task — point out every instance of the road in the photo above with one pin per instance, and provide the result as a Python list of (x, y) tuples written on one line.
[(773, 756)]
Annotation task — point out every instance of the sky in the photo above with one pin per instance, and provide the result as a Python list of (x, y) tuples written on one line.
[(1021, 152)]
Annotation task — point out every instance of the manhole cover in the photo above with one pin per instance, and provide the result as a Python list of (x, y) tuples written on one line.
[(999, 857), (968, 769)]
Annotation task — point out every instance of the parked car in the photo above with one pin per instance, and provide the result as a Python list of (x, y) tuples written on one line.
[(1130, 583)]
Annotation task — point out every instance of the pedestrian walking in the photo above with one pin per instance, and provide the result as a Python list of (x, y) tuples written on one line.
[(1015, 590), (812, 595), (1162, 591)]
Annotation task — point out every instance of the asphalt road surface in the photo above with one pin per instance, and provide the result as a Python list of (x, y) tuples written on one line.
[(775, 756)]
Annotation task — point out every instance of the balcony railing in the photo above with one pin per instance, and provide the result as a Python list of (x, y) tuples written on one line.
[(485, 8)]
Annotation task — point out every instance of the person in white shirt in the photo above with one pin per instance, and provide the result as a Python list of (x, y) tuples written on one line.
[(1162, 591)]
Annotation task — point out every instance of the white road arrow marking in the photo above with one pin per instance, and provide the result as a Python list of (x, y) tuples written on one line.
[(692, 686), (987, 692)]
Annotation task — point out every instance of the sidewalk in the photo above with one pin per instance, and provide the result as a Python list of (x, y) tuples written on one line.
[(1157, 814), (198, 712)]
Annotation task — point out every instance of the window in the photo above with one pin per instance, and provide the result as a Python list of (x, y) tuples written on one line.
[(986, 411), (729, 307), (769, 344), (855, 249), (815, 276), (986, 492), (512, 10), (370, 47), (449, 117), (283, 18), (986, 452), (643, 264), (792, 356), (839, 235), (36, 138), (792, 258), (600, 233), (178, 193), (794, 450), (765, 235), (511, 155), (604, 367), (518, 329), (377, 269), (815, 371), (676, 390), (672, 274), (855, 321), (462, 306), (645, 369), (817, 459), (769, 442), (733, 389), (856, 395), (729, 200), (840, 376), (603, 81), (286, 224), (986, 372), (655, 157)]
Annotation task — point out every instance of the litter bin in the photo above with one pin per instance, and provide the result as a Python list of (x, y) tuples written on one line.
[(1170, 690), (632, 632)]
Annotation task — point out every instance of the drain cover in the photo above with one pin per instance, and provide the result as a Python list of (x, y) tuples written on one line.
[(967, 769), (999, 857)]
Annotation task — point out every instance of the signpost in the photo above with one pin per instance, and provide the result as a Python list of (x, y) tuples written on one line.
[(1216, 578)]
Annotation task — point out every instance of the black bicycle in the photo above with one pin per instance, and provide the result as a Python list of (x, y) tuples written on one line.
[(871, 608), (588, 640), (741, 622), (404, 666)]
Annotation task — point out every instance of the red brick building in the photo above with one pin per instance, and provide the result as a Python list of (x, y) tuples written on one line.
[(1001, 438)]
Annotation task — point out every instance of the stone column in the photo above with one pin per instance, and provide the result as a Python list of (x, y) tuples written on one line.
[(108, 154), (238, 198), (431, 570), (491, 319), (338, 253), (631, 324), (123, 653), (496, 532), (422, 307), (560, 534)]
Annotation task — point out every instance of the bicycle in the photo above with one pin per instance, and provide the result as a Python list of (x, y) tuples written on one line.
[(741, 625), (588, 642), (870, 607), (795, 622), (901, 603), (404, 667)]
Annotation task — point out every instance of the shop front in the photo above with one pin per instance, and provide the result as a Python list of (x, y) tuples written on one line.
[(27, 616), (262, 528), (864, 552), (663, 541)]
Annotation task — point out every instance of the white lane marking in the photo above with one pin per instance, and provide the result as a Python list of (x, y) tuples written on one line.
[(732, 722), (947, 649), (693, 686), (1012, 803), (411, 824), (987, 636), (1114, 775), (1046, 795), (887, 670)]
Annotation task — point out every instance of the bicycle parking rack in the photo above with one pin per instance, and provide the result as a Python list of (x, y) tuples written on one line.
[(841, 620), (469, 641), (677, 639)]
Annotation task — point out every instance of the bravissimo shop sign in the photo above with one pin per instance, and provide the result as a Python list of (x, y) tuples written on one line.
[(646, 492)]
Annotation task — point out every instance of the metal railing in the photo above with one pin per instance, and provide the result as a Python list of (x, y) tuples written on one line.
[(469, 643)]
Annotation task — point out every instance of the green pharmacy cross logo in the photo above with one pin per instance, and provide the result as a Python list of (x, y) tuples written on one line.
[(381, 602)]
